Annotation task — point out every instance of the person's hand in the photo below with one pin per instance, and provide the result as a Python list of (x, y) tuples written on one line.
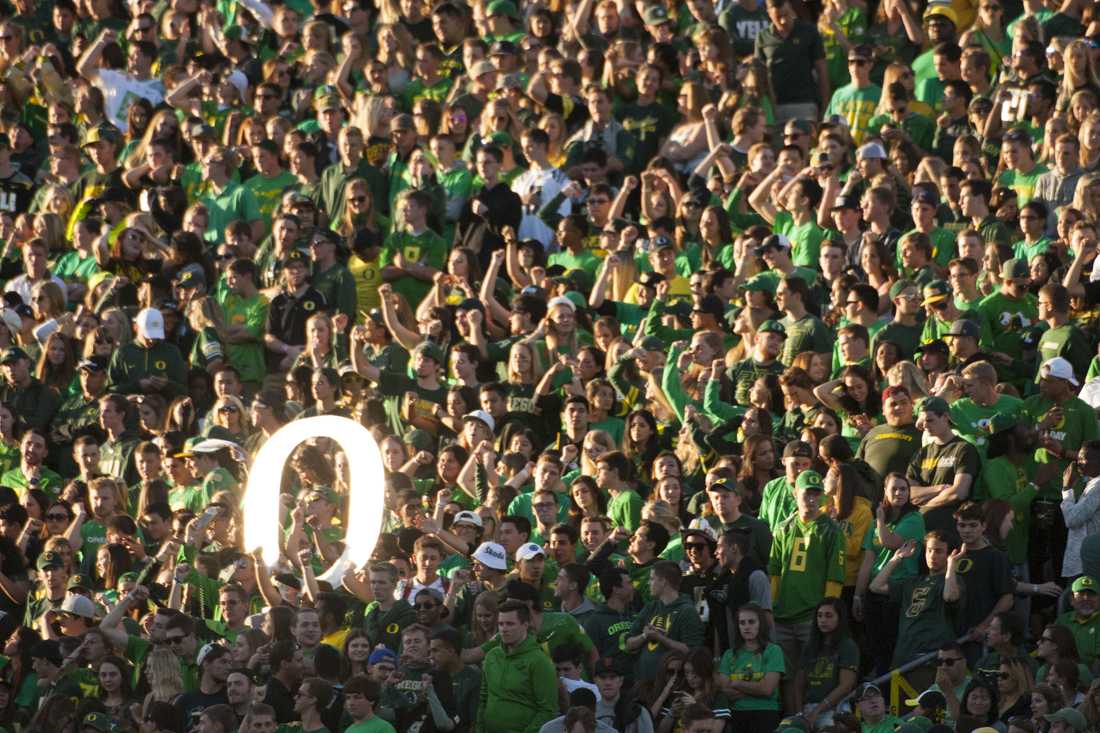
[(857, 607), (1049, 589), (906, 551), (181, 572), (305, 555), (1053, 417), (340, 321), (475, 318), (497, 257), (573, 190), (508, 234), (33, 527), (717, 368), (953, 559), (662, 290), (429, 525), (360, 334), (710, 113), (630, 183), (424, 458), (684, 361), (479, 208), (569, 454), (620, 534)]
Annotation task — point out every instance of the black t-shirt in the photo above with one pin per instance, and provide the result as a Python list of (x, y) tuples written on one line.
[(191, 704), (988, 576)]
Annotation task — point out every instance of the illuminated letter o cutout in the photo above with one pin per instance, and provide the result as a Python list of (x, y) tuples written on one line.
[(366, 495)]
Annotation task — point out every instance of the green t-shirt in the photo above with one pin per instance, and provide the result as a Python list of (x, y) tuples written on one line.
[(268, 191), (971, 420), (822, 668), (1009, 318), (805, 238), (927, 622), (805, 556), (1078, 425), (939, 464), (1022, 183), (625, 510), (247, 357), (751, 666), (1068, 342), (889, 448), (374, 725), (1002, 479), (808, 333), (910, 526), (425, 248), (232, 203), (857, 105), (1026, 251)]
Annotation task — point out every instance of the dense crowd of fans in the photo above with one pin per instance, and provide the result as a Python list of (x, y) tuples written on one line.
[(723, 357)]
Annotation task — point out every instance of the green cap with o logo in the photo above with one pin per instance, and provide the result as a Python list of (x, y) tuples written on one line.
[(1085, 584), (809, 481)]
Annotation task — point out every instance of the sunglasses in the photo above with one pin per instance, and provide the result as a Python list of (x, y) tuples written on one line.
[(227, 408), (694, 546)]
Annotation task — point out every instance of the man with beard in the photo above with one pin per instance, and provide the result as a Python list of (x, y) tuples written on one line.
[(422, 699)]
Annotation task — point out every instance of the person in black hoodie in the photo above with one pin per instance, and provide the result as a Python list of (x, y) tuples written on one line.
[(741, 581)]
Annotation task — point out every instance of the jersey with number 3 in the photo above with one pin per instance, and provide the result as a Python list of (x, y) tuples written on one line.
[(805, 556)]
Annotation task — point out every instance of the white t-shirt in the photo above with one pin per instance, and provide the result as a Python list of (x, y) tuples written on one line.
[(549, 182), (120, 90)]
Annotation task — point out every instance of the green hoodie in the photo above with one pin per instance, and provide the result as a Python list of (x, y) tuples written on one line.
[(519, 689)]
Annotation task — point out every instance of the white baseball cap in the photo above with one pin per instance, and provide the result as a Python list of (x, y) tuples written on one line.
[(469, 518), (150, 324), (484, 417), (1058, 368), (870, 151), (491, 555), (78, 605), (528, 551)]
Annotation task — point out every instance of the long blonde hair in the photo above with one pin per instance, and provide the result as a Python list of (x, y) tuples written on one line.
[(165, 677)]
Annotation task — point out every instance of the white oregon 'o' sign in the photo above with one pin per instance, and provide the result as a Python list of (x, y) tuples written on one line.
[(366, 492)]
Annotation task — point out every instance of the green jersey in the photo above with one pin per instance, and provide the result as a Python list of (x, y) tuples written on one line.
[(907, 338), (806, 556), (424, 248), (1086, 632), (1026, 250), (374, 725), (777, 502), (927, 621)]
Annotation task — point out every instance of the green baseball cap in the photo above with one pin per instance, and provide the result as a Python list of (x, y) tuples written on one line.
[(432, 351), (772, 326), (901, 286), (420, 439), (103, 132), (937, 405), (98, 721), (936, 291), (50, 560), (1001, 422), (1085, 583), (1016, 269), (655, 15), (506, 8), (1070, 717), (809, 481)]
